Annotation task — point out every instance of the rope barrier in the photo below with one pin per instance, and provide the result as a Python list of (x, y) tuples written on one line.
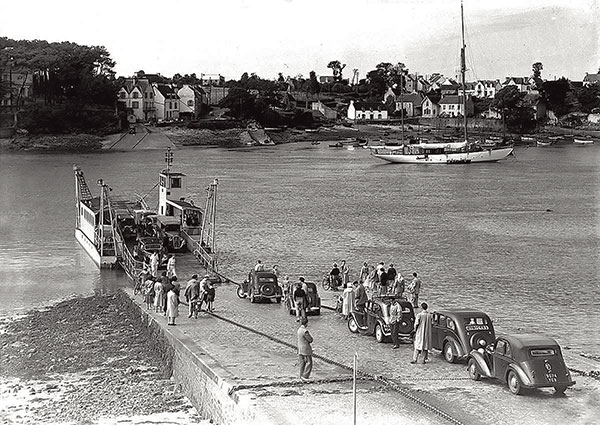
[(406, 393)]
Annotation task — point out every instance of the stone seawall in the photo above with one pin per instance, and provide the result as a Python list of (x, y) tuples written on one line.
[(201, 378)]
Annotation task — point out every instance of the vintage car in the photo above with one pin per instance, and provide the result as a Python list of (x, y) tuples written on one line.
[(456, 332), (522, 361), (169, 231), (126, 224), (375, 320), (313, 299), (146, 246), (260, 286)]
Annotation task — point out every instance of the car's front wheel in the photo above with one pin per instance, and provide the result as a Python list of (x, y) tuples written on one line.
[(472, 369), (514, 383), (379, 336), (448, 353), (352, 325)]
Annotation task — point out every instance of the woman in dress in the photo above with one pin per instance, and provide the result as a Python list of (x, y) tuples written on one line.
[(348, 301), (172, 306), (158, 296)]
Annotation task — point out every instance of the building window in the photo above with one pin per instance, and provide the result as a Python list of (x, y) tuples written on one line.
[(135, 105), (378, 116), (136, 95), (190, 102), (145, 95), (175, 182), (122, 95), (151, 95)]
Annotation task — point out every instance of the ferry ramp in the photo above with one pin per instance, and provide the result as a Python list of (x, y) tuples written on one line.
[(143, 138)]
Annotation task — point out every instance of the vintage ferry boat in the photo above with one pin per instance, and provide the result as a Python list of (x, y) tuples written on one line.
[(122, 232)]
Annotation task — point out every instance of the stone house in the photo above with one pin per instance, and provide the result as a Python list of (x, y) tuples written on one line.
[(328, 113), (370, 111), (166, 102), (430, 106), (590, 79), (452, 106)]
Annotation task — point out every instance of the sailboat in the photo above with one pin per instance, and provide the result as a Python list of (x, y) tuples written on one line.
[(444, 153)]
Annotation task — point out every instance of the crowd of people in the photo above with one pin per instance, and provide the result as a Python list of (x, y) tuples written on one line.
[(162, 293)]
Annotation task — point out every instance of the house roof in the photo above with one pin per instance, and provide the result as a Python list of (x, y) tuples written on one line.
[(591, 78), (433, 98), (451, 100), (411, 98), (166, 91), (487, 82), (517, 80), (369, 105)]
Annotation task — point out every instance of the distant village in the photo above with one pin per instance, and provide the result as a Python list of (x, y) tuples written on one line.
[(148, 99), (388, 93)]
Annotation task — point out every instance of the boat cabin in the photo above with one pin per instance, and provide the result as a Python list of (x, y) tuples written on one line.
[(189, 215)]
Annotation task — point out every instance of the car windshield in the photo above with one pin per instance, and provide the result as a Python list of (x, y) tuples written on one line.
[(542, 352), (172, 227)]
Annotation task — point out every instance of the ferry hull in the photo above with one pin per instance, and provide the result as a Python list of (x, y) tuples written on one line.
[(489, 155), (106, 261)]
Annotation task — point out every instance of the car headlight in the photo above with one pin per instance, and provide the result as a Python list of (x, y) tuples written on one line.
[(482, 342)]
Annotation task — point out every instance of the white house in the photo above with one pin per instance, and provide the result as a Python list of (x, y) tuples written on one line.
[(430, 107), (452, 106), (372, 111), (133, 99), (166, 102), (191, 99), (212, 79), (524, 84), (486, 88)]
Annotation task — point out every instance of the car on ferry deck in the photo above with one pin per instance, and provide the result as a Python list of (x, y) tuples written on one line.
[(168, 229), (522, 361), (375, 320), (455, 332)]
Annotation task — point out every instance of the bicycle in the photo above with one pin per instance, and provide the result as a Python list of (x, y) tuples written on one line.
[(328, 283)]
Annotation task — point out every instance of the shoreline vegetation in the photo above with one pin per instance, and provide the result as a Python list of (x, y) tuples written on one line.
[(85, 359)]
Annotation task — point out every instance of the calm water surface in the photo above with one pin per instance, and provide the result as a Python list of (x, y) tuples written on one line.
[(517, 239)]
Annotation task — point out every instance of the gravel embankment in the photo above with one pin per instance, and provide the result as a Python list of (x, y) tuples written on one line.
[(86, 360)]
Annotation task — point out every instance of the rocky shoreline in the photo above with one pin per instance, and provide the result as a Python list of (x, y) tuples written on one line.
[(86, 360)]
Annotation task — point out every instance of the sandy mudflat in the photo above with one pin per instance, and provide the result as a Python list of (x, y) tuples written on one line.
[(86, 361)]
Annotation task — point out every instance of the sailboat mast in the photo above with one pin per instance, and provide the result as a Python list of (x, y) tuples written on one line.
[(402, 107), (463, 69)]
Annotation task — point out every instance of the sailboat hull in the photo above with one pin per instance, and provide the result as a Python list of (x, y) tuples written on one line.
[(488, 155)]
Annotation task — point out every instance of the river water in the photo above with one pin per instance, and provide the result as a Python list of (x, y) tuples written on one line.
[(519, 239)]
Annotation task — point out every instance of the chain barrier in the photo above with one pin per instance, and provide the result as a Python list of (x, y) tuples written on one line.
[(406, 393), (294, 383)]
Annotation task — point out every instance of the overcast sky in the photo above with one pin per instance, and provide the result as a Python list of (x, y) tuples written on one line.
[(296, 36)]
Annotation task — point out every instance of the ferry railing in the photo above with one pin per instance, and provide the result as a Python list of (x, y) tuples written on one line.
[(132, 267)]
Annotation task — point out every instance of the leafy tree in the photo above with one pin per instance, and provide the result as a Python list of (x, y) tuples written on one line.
[(377, 84), (537, 69), (481, 105), (555, 94), (337, 67), (588, 97), (518, 116)]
